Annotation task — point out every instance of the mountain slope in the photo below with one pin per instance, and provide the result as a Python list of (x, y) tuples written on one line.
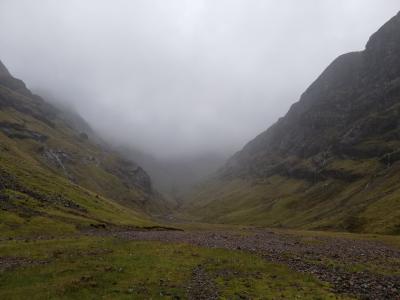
[(57, 179), (332, 162)]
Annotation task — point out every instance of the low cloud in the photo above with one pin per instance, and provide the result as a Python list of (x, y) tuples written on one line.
[(181, 77)]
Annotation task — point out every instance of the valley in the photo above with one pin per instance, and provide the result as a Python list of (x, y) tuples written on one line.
[(308, 209)]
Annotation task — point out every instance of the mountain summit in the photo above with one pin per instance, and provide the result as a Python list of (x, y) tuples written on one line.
[(333, 161)]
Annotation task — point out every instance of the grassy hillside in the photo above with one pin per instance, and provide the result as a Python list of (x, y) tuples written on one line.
[(371, 204), (55, 179)]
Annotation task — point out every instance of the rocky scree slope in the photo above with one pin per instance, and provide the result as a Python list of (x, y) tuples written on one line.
[(55, 178), (333, 162)]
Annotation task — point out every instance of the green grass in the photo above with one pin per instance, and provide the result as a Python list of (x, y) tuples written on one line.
[(370, 204), (92, 268)]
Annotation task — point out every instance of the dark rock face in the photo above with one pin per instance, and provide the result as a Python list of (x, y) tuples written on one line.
[(18, 131), (7, 80), (3, 70), (351, 111), (132, 175)]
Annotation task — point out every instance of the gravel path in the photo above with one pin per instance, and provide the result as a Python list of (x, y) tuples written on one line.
[(201, 286), (9, 263), (326, 258)]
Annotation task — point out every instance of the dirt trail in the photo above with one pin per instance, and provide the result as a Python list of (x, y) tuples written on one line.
[(366, 269)]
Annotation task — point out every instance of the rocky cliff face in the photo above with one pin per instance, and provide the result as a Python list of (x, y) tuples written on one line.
[(352, 103), (3, 70), (344, 132)]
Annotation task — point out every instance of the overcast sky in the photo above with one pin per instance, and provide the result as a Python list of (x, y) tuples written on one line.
[(175, 77)]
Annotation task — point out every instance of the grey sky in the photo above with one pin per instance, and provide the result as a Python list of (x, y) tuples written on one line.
[(175, 77)]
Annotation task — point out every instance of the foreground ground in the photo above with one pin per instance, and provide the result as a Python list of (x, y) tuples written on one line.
[(201, 264)]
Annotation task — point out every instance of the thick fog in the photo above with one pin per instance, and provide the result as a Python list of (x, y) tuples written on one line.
[(181, 77)]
